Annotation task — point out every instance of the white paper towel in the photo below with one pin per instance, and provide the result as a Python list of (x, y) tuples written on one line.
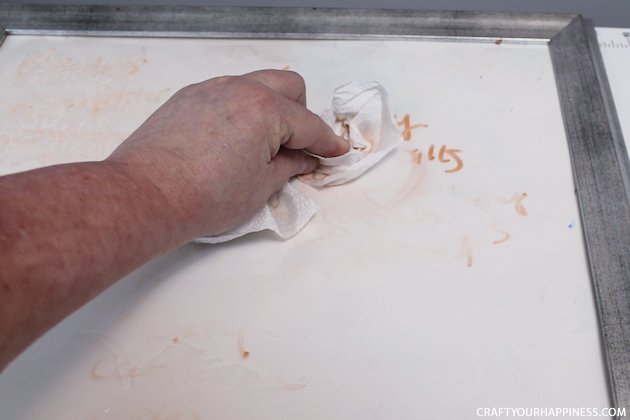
[(358, 111)]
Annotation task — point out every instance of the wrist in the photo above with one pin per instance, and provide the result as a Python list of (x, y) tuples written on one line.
[(158, 204)]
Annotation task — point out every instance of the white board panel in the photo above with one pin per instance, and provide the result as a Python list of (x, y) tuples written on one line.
[(421, 290)]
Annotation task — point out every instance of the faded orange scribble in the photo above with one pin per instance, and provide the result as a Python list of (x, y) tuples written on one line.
[(287, 67), (517, 199), (52, 66), (100, 373), (454, 153), (241, 343), (466, 249), (292, 387), (506, 236), (416, 156), (407, 127)]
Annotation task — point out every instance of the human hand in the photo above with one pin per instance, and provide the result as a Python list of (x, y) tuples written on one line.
[(218, 149)]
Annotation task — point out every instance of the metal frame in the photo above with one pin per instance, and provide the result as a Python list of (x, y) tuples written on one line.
[(599, 157)]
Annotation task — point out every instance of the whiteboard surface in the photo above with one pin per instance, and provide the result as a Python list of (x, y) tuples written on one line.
[(415, 292)]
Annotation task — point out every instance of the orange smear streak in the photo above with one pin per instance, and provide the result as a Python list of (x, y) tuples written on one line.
[(518, 203), (452, 153), (506, 237), (467, 251), (407, 127), (416, 156), (241, 343), (432, 152)]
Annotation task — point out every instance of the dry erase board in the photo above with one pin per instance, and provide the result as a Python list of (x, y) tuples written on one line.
[(428, 288)]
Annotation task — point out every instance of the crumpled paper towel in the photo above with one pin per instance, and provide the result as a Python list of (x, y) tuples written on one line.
[(358, 111)]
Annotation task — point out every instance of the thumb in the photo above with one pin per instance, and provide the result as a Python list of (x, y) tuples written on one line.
[(288, 163)]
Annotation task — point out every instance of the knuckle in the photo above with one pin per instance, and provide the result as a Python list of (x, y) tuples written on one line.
[(206, 85), (261, 99), (187, 90), (223, 79), (296, 78)]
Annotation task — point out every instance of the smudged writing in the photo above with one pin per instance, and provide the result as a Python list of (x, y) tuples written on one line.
[(444, 155), (241, 343), (466, 250), (407, 126), (517, 199), (505, 236)]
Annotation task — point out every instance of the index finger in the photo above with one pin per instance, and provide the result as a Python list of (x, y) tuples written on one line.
[(301, 129)]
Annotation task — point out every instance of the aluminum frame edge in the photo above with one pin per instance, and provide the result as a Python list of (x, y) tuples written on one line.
[(601, 191), (194, 20)]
